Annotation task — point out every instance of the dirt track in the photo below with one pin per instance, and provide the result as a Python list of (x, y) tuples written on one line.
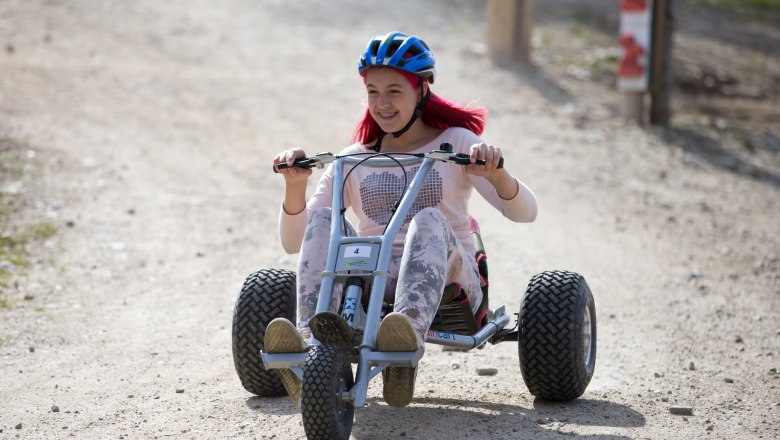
[(153, 127)]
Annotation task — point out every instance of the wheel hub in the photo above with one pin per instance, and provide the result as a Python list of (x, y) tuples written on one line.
[(587, 339)]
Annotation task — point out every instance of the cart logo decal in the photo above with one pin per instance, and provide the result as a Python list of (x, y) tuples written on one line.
[(441, 335), (350, 306), (379, 192)]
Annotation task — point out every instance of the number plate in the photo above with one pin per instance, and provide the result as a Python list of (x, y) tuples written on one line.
[(357, 257), (357, 251)]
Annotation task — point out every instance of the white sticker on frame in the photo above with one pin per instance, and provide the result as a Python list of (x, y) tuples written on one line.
[(357, 251)]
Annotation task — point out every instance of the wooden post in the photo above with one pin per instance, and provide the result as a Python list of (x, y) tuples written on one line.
[(509, 24), (661, 78), (634, 106)]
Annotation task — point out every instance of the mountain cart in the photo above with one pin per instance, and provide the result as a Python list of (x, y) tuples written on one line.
[(555, 328)]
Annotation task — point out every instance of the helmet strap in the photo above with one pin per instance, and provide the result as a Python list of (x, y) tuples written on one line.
[(378, 145)]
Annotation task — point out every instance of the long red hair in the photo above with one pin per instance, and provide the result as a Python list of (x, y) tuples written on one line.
[(438, 113)]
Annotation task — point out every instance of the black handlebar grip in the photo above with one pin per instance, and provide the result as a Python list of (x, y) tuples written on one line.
[(300, 163), (465, 159)]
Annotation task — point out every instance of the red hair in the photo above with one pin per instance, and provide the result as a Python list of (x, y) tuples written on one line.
[(437, 112)]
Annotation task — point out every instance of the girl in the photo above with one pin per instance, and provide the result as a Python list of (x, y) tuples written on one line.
[(433, 249)]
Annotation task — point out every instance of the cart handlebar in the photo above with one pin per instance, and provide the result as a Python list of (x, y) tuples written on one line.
[(444, 154)]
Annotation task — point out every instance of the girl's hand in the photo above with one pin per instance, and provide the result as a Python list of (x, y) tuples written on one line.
[(491, 155), (292, 174), (506, 186)]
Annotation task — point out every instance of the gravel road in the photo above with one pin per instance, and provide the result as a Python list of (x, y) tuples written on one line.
[(149, 129)]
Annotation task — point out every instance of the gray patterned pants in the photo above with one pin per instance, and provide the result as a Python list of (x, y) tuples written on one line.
[(431, 259)]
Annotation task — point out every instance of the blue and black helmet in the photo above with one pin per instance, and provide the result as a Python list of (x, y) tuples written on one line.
[(398, 50)]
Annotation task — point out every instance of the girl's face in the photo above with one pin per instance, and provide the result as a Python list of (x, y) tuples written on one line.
[(391, 98)]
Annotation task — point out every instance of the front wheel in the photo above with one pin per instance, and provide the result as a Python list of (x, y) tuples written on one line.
[(327, 375), (557, 343)]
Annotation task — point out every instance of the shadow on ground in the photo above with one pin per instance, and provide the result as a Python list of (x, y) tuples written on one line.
[(484, 420), (428, 417), (537, 78), (272, 405), (712, 152)]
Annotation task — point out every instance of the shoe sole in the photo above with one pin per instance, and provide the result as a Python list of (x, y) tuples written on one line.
[(282, 337), (331, 328), (396, 334)]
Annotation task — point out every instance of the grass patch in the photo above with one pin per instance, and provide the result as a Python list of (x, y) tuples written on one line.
[(736, 5), (17, 235), (764, 10), (604, 67), (14, 249), (39, 231)]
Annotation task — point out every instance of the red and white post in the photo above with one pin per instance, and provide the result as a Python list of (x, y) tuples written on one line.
[(636, 24)]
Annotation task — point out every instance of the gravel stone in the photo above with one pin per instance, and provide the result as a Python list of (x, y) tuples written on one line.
[(487, 371), (682, 410)]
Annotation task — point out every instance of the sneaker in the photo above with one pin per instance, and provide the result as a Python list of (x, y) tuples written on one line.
[(281, 336), (331, 328), (396, 334)]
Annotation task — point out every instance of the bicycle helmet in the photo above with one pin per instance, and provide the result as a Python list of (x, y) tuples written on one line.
[(398, 50)]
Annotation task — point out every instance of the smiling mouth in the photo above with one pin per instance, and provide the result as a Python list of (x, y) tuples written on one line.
[(385, 115)]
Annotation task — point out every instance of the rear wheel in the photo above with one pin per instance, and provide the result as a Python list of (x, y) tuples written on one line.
[(557, 343), (327, 375), (266, 294)]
